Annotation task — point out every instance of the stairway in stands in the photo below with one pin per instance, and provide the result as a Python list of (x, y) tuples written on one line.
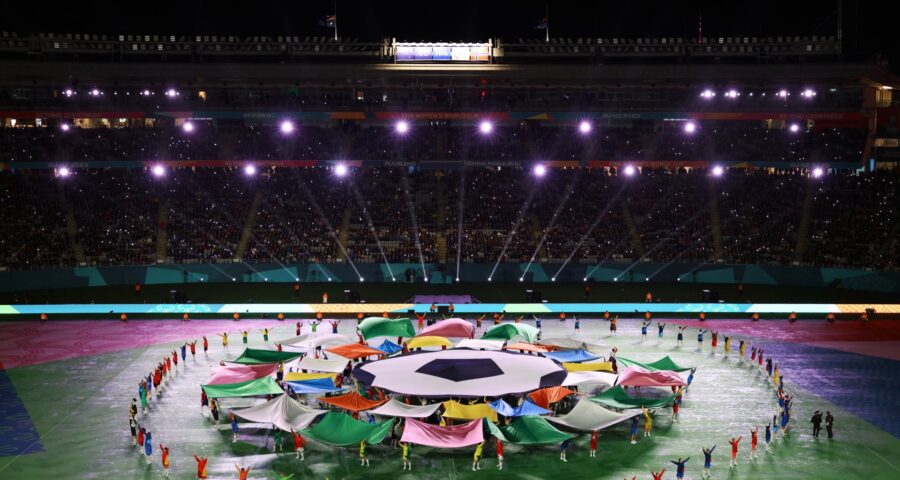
[(636, 242), (72, 231), (715, 222), (162, 235), (805, 219), (344, 233), (247, 232)]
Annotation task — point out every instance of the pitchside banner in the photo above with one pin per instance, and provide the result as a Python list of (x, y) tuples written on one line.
[(740, 310)]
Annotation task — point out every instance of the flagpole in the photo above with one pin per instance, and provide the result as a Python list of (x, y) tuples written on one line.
[(547, 16), (335, 22)]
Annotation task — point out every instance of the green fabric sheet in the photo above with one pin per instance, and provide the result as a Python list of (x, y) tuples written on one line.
[(250, 388), (254, 356), (617, 397), (528, 430), (665, 363), (508, 331), (386, 327), (341, 429)]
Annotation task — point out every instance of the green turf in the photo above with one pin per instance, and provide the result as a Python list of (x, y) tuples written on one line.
[(80, 410)]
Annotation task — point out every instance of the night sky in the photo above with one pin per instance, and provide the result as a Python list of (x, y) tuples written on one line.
[(868, 26)]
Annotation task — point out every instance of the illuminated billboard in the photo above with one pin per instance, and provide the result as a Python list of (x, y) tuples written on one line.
[(443, 52)]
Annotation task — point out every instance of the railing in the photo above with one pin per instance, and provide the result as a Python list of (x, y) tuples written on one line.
[(172, 47)]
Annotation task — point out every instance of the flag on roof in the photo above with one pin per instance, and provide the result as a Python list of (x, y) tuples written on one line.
[(328, 21)]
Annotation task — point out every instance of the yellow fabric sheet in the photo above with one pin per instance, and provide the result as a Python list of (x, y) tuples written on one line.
[(300, 376), (428, 341), (459, 411), (588, 367)]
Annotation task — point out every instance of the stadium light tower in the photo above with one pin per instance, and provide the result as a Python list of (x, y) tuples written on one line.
[(286, 127), (585, 127), (341, 170), (539, 170), (402, 127), (707, 94), (486, 127), (690, 127)]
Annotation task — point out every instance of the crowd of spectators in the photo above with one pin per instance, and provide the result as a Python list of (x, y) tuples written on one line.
[(429, 141), (115, 216), (491, 96)]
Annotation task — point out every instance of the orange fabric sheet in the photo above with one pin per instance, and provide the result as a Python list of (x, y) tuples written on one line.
[(353, 402), (354, 350), (545, 396), (529, 347)]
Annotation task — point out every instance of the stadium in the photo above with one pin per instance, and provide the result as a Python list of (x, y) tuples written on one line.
[(365, 241)]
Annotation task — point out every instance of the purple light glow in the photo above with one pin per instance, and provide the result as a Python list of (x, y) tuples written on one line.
[(540, 170), (818, 172), (340, 170), (718, 171), (250, 170), (585, 127), (707, 94), (486, 127), (402, 127), (794, 128), (287, 127), (65, 127), (158, 170), (630, 170), (188, 127), (690, 127), (63, 172)]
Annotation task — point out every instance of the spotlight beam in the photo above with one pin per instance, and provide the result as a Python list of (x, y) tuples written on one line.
[(628, 234), (569, 189), (591, 229), (410, 205), (459, 218), (680, 254), (662, 242), (321, 213), (514, 229), (371, 225)]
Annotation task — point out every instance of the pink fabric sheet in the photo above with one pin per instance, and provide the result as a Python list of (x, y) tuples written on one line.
[(443, 437), (451, 327), (638, 377), (240, 373)]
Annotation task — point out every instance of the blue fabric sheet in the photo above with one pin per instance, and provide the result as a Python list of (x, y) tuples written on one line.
[(389, 347), (571, 356), (319, 385), (527, 408)]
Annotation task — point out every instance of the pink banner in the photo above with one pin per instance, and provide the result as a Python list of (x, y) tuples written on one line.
[(443, 437), (451, 327), (638, 377), (240, 373)]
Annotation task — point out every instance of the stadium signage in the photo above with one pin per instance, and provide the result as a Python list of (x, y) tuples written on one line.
[(405, 52)]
